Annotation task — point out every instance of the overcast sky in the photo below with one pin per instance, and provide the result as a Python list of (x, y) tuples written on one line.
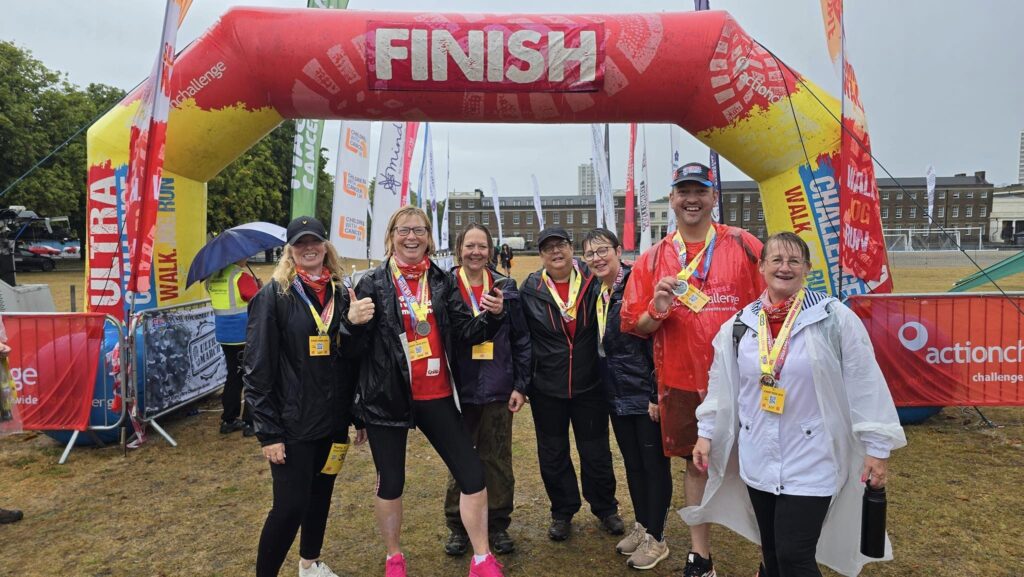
[(942, 81)]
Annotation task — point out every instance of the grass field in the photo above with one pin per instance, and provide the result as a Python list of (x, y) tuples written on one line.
[(955, 502)]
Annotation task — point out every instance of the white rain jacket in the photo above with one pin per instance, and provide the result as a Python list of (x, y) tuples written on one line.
[(855, 403)]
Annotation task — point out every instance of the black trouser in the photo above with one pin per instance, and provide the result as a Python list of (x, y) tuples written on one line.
[(302, 497), (490, 428), (440, 422), (231, 400), (647, 470), (588, 414), (790, 526)]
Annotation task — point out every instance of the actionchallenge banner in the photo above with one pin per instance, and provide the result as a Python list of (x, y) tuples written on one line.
[(53, 363), (947, 350), (182, 358)]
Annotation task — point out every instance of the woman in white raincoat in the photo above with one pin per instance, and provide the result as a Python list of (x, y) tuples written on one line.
[(794, 425)]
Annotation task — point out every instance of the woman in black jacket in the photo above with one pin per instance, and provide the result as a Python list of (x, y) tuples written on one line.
[(627, 369), (298, 393), (405, 379)]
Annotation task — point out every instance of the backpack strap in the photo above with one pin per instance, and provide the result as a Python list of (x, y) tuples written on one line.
[(738, 330)]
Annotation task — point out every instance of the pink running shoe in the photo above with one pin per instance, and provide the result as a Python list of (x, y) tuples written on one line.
[(488, 568), (395, 566)]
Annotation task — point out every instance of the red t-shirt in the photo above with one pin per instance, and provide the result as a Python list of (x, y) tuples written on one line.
[(426, 386), (692, 249), (563, 293), (478, 290)]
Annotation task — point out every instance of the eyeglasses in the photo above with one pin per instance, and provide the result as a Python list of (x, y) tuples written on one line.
[(601, 251), (792, 262), (554, 246), (406, 230)]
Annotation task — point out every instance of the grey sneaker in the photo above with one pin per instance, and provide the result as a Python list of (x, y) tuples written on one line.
[(649, 553), (317, 569), (629, 544)]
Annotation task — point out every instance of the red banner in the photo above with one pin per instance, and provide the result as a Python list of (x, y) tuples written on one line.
[(411, 128), (485, 56), (53, 362), (628, 231), (947, 349)]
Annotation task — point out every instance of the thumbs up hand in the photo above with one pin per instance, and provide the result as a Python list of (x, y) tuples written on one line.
[(360, 311)]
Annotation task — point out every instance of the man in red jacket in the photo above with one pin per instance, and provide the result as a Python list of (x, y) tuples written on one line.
[(681, 291)]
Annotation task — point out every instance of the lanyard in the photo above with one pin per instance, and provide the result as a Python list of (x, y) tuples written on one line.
[(322, 320), (417, 305), (603, 302), (469, 290), (567, 309), (688, 270), (772, 354)]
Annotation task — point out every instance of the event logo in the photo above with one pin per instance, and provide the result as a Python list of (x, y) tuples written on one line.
[(914, 336), (197, 84), (204, 350), (502, 57)]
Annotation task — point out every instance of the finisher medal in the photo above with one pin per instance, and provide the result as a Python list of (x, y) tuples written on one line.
[(767, 380), (422, 328)]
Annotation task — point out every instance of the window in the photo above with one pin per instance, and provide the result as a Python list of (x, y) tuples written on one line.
[(586, 217), (515, 217), (732, 199), (732, 215), (529, 218), (486, 219), (913, 195), (556, 218), (956, 212), (746, 214), (760, 214), (982, 210), (458, 204), (664, 215), (970, 194), (899, 196), (458, 220), (470, 204), (983, 194), (942, 212), (899, 212), (913, 212), (885, 195), (529, 237), (885, 212), (568, 217), (969, 211), (942, 195), (653, 216), (746, 198), (472, 219), (956, 194)]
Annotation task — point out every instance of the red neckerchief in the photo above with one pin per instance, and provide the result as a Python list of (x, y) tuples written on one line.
[(413, 271), (777, 312), (319, 286)]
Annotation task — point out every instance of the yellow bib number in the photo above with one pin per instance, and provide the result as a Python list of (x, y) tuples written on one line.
[(484, 351), (773, 399), (319, 346), (335, 459), (419, 349), (694, 298)]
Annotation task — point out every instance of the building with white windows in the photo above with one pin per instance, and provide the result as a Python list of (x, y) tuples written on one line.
[(586, 180)]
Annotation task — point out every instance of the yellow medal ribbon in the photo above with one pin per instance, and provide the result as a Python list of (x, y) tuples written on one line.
[(418, 307), (691, 267), (603, 303), (769, 351), (568, 309), (323, 321), (469, 289)]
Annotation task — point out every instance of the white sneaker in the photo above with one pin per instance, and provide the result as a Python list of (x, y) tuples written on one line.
[(630, 542), (317, 569)]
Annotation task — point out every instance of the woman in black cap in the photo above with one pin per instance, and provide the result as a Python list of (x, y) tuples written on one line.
[(299, 393)]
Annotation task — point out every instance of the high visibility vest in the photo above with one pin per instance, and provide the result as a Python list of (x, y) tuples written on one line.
[(229, 310)]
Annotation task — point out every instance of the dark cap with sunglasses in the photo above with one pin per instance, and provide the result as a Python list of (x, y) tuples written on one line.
[(304, 225), (693, 172), (550, 233)]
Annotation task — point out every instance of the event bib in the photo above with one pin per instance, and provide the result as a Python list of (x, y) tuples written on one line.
[(484, 351), (773, 399), (419, 349), (694, 298), (335, 459), (319, 346)]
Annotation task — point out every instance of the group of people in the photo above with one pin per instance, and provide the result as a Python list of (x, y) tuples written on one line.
[(709, 348)]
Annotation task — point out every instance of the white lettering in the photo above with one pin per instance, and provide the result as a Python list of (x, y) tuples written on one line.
[(471, 62), (585, 54), (419, 54), (530, 56), (495, 55), (386, 51)]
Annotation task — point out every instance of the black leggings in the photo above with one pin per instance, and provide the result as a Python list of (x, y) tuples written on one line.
[(302, 497), (790, 526), (647, 470), (440, 422)]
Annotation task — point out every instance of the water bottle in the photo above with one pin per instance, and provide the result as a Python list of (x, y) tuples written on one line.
[(872, 525)]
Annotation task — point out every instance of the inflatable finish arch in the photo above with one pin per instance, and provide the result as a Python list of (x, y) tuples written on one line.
[(255, 67)]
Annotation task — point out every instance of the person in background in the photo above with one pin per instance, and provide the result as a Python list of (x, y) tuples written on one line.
[(506, 259), (796, 392), (301, 391), (7, 515), (565, 388), (230, 290), (682, 289), (627, 368), (491, 379), (405, 381)]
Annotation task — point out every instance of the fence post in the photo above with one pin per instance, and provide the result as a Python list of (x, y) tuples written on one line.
[(74, 299)]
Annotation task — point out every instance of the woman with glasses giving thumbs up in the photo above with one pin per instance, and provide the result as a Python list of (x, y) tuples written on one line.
[(405, 379)]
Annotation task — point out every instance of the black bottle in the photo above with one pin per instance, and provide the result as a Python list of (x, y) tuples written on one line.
[(872, 525)]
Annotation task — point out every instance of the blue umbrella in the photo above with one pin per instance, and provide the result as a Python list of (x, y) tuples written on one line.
[(233, 245)]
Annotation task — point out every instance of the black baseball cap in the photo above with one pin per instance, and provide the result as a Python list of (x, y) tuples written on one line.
[(553, 232), (304, 225), (694, 172)]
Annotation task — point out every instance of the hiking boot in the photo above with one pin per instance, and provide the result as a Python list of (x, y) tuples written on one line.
[(248, 430), (10, 516), (501, 542), (559, 529), (317, 569), (458, 542), (488, 568), (629, 544), (697, 566), (613, 524), (648, 554), (227, 428), (395, 566)]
